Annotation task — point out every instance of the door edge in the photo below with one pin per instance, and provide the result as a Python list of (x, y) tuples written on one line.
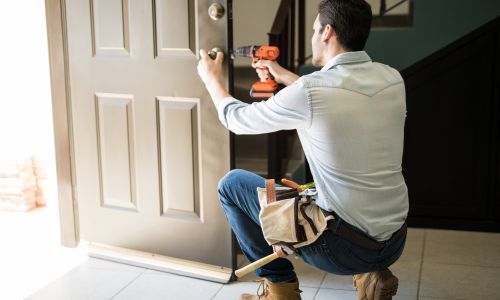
[(59, 74)]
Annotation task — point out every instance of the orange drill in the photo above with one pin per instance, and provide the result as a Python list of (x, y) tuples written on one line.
[(266, 87)]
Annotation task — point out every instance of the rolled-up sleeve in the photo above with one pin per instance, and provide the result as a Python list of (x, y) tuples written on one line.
[(288, 109)]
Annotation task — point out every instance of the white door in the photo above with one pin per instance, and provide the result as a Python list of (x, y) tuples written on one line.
[(148, 149)]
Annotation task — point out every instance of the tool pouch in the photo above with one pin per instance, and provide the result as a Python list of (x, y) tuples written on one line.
[(289, 217)]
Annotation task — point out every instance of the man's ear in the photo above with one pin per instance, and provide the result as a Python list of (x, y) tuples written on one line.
[(328, 33)]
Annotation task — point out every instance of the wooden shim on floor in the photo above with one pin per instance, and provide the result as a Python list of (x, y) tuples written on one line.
[(161, 263)]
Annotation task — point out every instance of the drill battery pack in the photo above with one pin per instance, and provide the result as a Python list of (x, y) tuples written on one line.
[(263, 89)]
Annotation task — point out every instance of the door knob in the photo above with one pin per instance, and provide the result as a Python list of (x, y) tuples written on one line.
[(216, 11), (213, 53)]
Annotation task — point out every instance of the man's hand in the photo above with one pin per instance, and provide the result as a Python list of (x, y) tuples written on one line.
[(210, 73), (280, 74), (209, 69)]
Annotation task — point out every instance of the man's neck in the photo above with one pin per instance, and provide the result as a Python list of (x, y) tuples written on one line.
[(331, 52)]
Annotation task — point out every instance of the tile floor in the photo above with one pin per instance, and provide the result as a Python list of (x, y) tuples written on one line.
[(436, 264)]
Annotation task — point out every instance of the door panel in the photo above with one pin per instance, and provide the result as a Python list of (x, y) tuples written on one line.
[(174, 28), (115, 142), (110, 27), (180, 153), (148, 147)]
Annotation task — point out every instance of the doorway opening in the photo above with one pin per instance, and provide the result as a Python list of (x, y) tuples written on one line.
[(31, 254)]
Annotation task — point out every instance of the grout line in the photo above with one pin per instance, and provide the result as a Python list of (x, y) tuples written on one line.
[(320, 285), (421, 264), (464, 265), (316, 294), (123, 288), (322, 280), (218, 291)]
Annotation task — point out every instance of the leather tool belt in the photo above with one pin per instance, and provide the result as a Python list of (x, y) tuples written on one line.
[(360, 239), (289, 217)]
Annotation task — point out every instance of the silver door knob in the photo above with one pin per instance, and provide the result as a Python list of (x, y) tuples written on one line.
[(213, 53), (216, 11)]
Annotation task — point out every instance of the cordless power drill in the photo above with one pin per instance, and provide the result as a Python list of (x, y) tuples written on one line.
[(266, 87)]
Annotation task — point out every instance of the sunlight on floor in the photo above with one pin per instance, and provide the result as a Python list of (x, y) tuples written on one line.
[(31, 255)]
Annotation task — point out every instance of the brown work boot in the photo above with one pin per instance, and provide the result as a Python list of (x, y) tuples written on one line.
[(268, 290), (379, 285)]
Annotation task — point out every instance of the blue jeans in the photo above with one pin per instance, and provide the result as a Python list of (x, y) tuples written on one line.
[(330, 253)]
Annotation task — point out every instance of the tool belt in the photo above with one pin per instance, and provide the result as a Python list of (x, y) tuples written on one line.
[(289, 217), (358, 238)]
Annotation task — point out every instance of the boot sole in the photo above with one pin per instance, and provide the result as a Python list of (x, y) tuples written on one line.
[(387, 287)]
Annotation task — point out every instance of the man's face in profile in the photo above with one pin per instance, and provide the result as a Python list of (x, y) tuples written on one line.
[(317, 45)]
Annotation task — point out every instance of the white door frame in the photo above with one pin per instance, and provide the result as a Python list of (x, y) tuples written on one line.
[(58, 61)]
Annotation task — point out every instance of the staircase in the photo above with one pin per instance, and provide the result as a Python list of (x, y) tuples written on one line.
[(451, 160)]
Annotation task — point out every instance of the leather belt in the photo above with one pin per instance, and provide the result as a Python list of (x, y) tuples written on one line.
[(363, 241)]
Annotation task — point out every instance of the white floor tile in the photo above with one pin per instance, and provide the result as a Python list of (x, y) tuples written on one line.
[(88, 282), (414, 245), (155, 285), (308, 275), (235, 289), (459, 282), (308, 293), (328, 294), (407, 273), (462, 247), (338, 282), (96, 263)]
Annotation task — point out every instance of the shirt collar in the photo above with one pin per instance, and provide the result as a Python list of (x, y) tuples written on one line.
[(347, 58)]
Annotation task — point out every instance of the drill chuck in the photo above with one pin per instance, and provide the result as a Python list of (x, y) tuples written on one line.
[(258, 52), (246, 51)]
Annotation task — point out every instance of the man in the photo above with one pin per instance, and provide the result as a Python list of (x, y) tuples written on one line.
[(350, 119)]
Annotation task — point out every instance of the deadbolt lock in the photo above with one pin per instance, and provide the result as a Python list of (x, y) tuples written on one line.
[(216, 11)]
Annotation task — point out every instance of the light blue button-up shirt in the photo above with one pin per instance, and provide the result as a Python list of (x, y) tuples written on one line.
[(350, 119)]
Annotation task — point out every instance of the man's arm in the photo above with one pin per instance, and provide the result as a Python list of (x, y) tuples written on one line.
[(289, 109), (210, 71)]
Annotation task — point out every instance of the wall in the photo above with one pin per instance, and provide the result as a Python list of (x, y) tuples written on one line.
[(436, 24), (252, 20)]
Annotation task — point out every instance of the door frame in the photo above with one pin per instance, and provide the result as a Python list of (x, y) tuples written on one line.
[(61, 111)]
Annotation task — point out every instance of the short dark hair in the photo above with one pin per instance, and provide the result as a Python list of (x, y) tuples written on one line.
[(351, 20)]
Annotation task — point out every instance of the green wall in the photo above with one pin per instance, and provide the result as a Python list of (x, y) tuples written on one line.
[(436, 23)]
